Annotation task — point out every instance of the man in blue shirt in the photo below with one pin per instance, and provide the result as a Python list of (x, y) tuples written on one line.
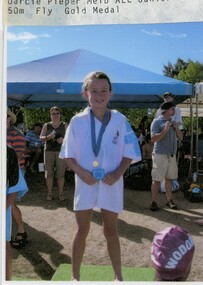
[(164, 134)]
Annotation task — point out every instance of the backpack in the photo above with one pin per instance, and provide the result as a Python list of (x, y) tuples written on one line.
[(194, 194)]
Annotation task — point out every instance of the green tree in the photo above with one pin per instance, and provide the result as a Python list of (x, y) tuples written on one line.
[(192, 73), (189, 71), (171, 70)]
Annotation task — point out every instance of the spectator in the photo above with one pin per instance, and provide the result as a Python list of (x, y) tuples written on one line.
[(16, 139), (164, 134), (168, 97), (34, 146), (147, 148), (172, 253), (139, 135), (52, 135), (16, 187), (99, 146)]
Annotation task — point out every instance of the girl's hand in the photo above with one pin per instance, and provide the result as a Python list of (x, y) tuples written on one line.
[(110, 178), (87, 177)]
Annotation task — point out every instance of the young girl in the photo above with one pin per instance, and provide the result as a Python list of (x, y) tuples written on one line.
[(99, 146)]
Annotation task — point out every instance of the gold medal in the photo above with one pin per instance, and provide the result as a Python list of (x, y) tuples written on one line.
[(95, 163)]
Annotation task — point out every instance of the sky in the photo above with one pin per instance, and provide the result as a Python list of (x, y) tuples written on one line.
[(147, 46)]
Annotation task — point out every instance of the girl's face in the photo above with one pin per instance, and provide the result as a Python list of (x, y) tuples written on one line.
[(97, 93)]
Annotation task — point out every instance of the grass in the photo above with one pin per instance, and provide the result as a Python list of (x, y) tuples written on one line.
[(103, 273)]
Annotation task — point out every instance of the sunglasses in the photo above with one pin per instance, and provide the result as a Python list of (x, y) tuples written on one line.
[(56, 113)]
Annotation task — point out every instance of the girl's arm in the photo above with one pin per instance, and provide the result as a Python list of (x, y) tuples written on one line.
[(84, 174), (111, 177)]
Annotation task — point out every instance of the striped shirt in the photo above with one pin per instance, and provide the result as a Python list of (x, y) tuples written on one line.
[(16, 139), (33, 140)]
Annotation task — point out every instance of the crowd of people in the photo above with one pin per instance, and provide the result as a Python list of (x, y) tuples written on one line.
[(108, 146)]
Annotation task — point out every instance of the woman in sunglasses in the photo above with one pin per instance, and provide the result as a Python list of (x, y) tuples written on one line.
[(52, 134)]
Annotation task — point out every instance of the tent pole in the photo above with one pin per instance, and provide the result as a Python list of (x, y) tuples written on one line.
[(192, 139), (197, 135)]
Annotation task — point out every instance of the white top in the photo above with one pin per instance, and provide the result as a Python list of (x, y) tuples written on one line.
[(118, 141), (176, 117)]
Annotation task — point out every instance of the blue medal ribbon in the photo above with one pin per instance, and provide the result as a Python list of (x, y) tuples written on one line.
[(96, 145)]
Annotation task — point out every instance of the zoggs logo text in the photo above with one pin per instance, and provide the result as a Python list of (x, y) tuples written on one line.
[(179, 253)]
